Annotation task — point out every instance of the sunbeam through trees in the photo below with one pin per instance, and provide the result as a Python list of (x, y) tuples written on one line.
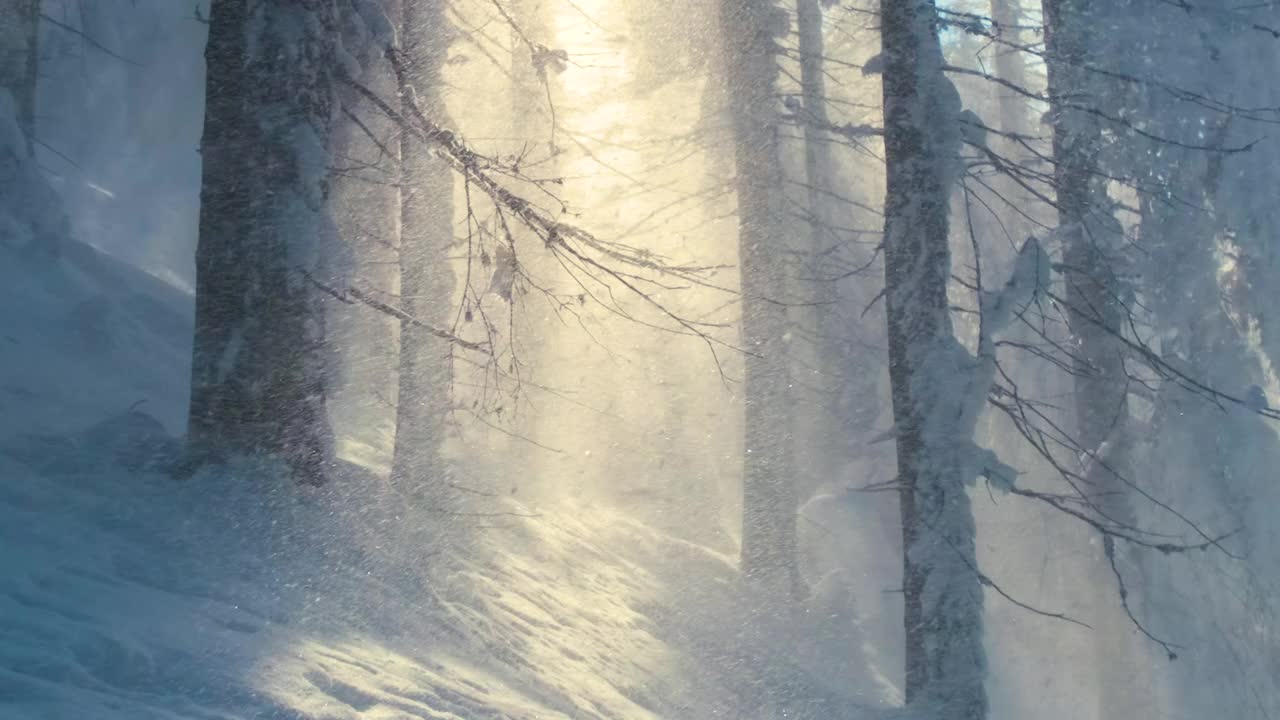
[(536, 359)]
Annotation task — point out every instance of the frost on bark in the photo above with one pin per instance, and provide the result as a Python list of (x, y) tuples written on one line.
[(1017, 221), (1088, 231), (769, 498), (937, 387), (1091, 238), (19, 55), (1193, 274), (426, 277), (258, 381)]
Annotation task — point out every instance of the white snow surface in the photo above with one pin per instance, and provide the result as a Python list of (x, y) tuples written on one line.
[(128, 595), (133, 596), (232, 595)]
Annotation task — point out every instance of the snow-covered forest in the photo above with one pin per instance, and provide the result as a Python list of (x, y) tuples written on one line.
[(623, 359)]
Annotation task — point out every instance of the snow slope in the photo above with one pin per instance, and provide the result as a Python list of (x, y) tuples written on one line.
[(131, 595), (83, 337), (136, 597), (127, 594)]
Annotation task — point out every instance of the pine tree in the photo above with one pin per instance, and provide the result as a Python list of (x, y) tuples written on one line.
[(258, 376), (749, 32), (821, 424), (426, 276), (1007, 20), (1091, 239), (935, 383)]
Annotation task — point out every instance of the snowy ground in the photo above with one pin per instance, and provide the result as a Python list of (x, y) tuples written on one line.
[(128, 594)]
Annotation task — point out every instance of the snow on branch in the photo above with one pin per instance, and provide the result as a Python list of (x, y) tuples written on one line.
[(352, 295), (1028, 280)]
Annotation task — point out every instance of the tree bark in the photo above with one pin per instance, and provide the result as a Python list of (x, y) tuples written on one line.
[(36, 224), (426, 277), (258, 369), (822, 426), (1089, 235), (19, 58), (769, 497), (817, 154), (1086, 226), (1014, 119), (945, 662)]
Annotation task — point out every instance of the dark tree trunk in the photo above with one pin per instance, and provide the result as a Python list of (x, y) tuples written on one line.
[(945, 663), (426, 276), (1089, 232), (769, 497), (1091, 238), (19, 57), (37, 225), (258, 380)]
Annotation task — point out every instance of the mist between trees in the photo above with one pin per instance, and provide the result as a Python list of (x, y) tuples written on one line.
[(942, 326)]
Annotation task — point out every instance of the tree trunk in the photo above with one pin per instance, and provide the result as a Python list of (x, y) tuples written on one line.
[(35, 223), (1090, 235), (821, 425), (19, 58), (1013, 111), (1087, 228), (817, 147), (1006, 15), (258, 380), (945, 663), (426, 276), (769, 498)]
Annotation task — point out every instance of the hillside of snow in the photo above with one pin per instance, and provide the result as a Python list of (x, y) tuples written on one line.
[(126, 594), (132, 596)]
